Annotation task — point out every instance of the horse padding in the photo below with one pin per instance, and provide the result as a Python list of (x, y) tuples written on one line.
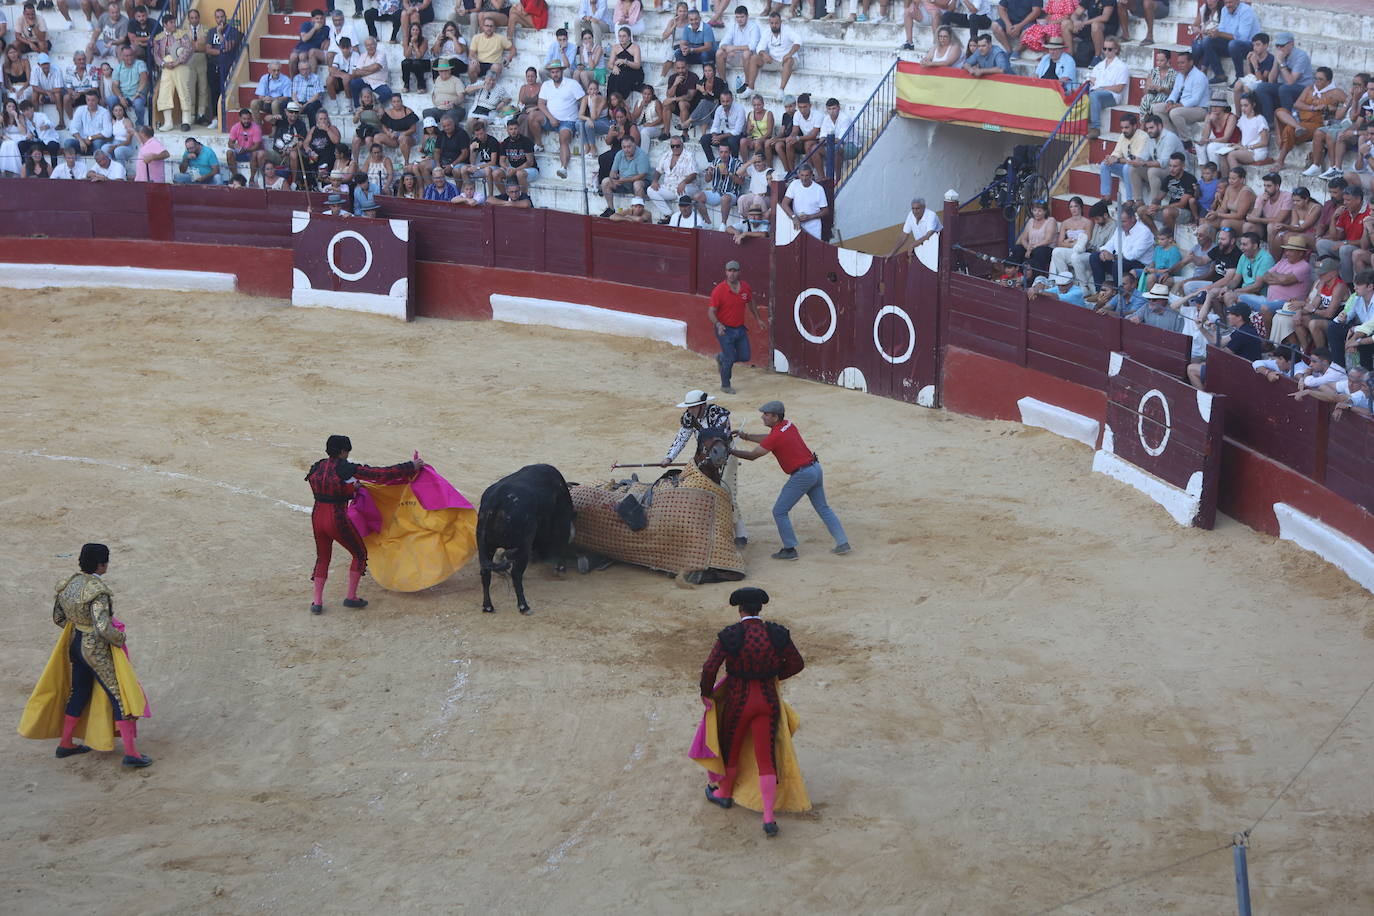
[(690, 524)]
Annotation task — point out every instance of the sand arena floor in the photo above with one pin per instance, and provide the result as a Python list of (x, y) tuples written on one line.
[(1026, 684)]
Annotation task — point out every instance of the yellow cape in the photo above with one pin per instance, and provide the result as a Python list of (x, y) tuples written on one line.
[(791, 787), (417, 548), (43, 713)]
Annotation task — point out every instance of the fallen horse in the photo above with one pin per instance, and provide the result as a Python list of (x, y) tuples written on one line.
[(681, 523)]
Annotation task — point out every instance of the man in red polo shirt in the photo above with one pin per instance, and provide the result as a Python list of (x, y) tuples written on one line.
[(728, 301), (804, 478), (1347, 227)]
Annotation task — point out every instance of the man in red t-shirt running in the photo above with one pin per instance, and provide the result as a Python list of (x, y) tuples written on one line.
[(804, 478), (728, 301)]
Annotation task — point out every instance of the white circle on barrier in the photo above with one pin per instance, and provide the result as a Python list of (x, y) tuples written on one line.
[(910, 330), (367, 255), (1140, 422), (796, 315)]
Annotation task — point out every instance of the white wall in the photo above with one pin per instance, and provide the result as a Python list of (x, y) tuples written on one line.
[(917, 158)]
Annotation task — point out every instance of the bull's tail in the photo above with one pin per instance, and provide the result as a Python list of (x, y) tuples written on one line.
[(501, 565)]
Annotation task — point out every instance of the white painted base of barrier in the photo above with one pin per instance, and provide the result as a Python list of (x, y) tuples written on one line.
[(1353, 558), (575, 317), (392, 306), (1182, 505), (1059, 421), (66, 276)]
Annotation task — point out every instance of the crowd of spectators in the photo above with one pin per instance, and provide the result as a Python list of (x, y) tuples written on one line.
[(1272, 270), (594, 95)]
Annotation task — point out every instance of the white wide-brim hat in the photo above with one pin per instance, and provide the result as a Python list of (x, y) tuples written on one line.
[(695, 398)]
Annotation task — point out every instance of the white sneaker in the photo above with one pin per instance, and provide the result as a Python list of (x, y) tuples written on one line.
[(744, 93), (1332, 173), (562, 172), (1311, 170), (538, 148)]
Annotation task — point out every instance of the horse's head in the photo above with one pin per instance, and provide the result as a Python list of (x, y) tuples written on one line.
[(713, 450)]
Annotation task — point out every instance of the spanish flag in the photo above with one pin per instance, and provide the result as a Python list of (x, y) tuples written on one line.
[(951, 94)]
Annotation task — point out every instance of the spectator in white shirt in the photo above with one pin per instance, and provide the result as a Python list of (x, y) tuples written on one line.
[(46, 85), (806, 131), (105, 168), (339, 27), (727, 126), (70, 168), (1321, 379), (805, 203), (921, 223), (834, 125), (686, 216), (754, 182), (1108, 81), (91, 126), (270, 180), (558, 108), (777, 47), (737, 44), (1137, 244), (676, 178)]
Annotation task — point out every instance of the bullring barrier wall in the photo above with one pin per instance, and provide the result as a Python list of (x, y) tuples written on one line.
[(888, 326), (1281, 459)]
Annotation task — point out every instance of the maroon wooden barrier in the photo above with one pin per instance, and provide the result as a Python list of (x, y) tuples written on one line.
[(850, 318), (1167, 429), (986, 318), (1070, 342), (74, 209), (1350, 458), (1167, 351), (1262, 415), (345, 262)]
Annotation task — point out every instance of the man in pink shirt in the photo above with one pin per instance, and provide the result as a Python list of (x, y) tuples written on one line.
[(149, 163), (245, 143), (1288, 282), (1273, 207)]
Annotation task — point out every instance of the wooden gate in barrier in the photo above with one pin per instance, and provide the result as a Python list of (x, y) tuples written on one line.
[(852, 319)]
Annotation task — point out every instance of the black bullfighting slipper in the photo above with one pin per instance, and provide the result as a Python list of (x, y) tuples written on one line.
[(355, 602), (317, 608), (142, 760), (71, 751), (721, 802), (771, 829)]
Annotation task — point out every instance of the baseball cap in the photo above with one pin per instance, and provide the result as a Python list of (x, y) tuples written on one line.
[(684, 201), (44, 59), (772, 407), (732, 265), (1283, 38), (636, 201), (1326, 265), (293, 106), (789, 99), (429, 122)]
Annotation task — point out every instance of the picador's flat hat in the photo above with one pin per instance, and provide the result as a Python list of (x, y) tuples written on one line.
[(750, 595)]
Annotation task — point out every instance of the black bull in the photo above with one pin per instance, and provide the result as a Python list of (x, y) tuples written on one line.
[(529, 514)]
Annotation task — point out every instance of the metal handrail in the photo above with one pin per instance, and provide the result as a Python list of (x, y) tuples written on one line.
[(244, 11), (1077, 110), (867, 124)]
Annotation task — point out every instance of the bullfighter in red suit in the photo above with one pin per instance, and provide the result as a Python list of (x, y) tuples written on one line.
[(755, 654), (334, 481)]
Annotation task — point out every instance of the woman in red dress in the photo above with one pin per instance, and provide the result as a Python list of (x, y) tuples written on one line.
[(334, 481)]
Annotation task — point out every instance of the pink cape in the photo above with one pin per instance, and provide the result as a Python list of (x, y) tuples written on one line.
[(147, 703), (431, 490), (700, 750)]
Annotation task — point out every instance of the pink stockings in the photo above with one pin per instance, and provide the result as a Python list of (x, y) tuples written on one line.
[(354, 577), (128, 731), (68, 729)]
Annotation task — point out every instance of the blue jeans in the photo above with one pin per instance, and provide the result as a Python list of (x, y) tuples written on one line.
[(140, 105), (1273, 96), (1121, 170), (1211, 50), (808, 482), (358, 84), (734, 348), (1098, 101)]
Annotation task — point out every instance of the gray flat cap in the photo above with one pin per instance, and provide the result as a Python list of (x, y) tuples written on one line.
[(772, 407)]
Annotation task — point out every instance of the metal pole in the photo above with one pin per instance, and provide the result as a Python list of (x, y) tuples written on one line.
[(1242, 876)]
